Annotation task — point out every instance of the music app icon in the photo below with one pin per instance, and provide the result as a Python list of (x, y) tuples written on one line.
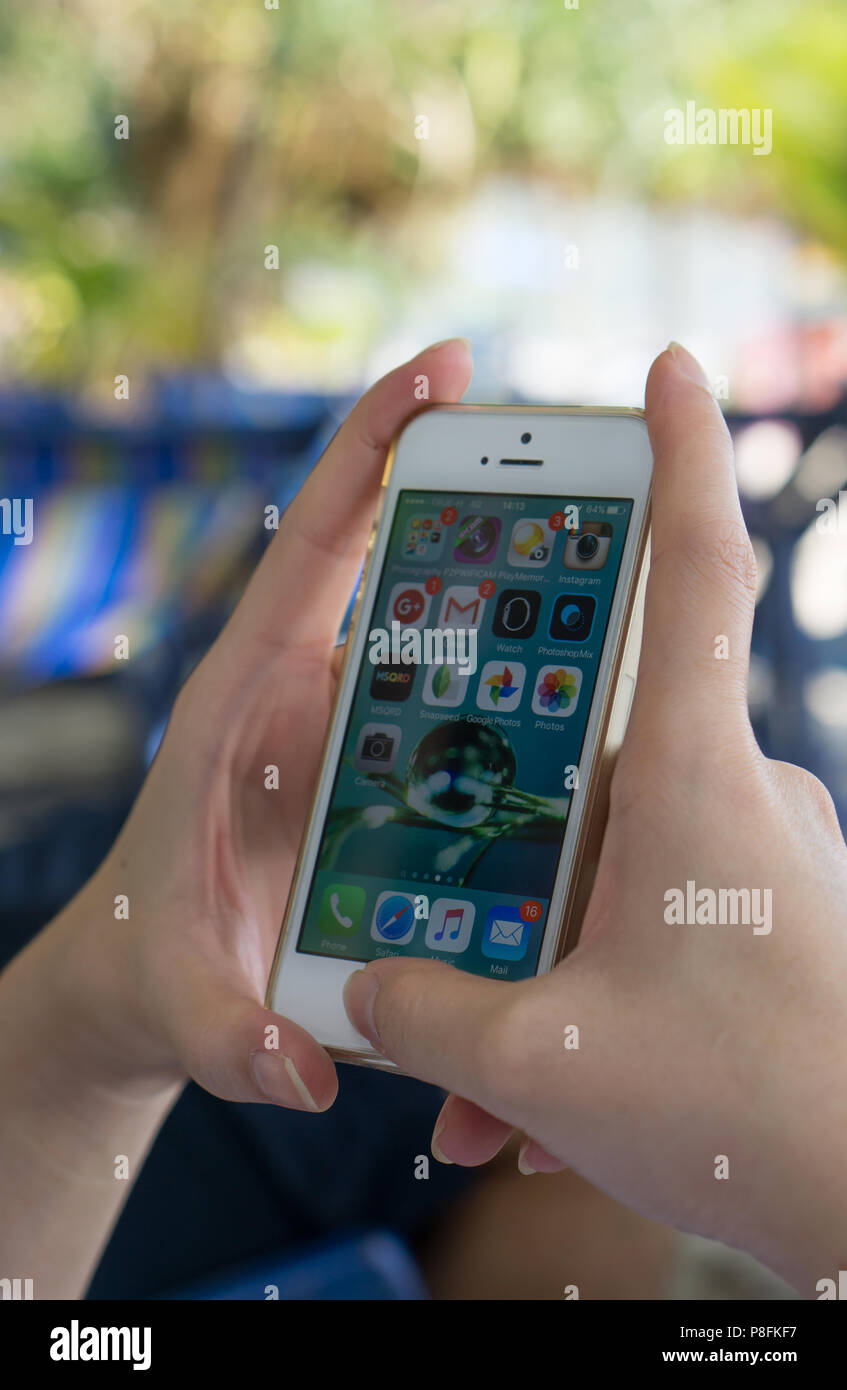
[(450, 924)]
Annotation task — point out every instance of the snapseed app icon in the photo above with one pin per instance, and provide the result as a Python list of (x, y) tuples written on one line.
[(517, 613), (557, 690), (445, 685), (572, 617), (342, 906), (394, 919), (501, 685)]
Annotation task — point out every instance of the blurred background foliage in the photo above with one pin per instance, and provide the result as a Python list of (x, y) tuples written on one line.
[(296, 127)]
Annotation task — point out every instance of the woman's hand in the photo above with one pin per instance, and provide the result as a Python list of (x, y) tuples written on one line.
[(695, 1041), (104, 1016), (206, 856)]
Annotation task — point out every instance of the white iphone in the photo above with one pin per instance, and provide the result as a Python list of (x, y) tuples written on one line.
[(486, 686)]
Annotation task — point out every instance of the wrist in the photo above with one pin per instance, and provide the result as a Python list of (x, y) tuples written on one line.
[(79, 1093), (84, 982), (797, 1196)]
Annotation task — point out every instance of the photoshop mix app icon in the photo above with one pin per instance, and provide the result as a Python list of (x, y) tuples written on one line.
[(572, 618)]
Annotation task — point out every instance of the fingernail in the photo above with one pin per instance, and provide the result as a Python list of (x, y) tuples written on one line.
[(275, 1075), (444, 341), (524, 1166), (360, 993), (437, 1151), (688, 365)]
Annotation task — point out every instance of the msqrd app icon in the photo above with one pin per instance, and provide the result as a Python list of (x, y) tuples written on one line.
[(392, 681)]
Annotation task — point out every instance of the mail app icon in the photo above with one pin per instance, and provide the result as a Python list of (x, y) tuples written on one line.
[(506, 935)]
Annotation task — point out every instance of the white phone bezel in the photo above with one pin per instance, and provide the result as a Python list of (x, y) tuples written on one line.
[(589, 453)]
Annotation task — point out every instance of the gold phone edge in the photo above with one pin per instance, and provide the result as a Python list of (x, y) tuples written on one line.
[(592, 828)]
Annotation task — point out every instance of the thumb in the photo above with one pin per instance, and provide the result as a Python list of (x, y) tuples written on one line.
[(493, 1042), (702, 584)]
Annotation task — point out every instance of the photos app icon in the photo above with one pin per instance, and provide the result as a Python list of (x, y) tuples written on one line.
[(557, 691)]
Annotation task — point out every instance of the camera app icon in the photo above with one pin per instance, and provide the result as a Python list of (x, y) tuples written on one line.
[(377, 747), (587, 548)]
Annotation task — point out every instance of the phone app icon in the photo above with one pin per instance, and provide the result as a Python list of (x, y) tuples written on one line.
[(557, 690), (377, 747), (501, 685), (477, 539), (423, 538), (531, 543), (517, 613), (394, 919), (445, 685), (587, 548), (342, 907), (461, 606), (506, 935), (450, 924), (392, 680), (572, 618), (408, 604)]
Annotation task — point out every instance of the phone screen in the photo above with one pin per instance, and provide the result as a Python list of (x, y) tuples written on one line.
[(451, 796)]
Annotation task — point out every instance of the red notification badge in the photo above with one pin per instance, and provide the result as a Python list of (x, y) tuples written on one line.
[(531, 910)]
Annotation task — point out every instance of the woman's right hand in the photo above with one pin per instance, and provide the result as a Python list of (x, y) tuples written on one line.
[(709, 1086)]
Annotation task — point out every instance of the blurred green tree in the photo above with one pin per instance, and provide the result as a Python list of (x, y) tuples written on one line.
[(299, 127)]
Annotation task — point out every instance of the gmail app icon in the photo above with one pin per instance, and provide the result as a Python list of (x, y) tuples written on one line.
[(461, 606), (506, 935)]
